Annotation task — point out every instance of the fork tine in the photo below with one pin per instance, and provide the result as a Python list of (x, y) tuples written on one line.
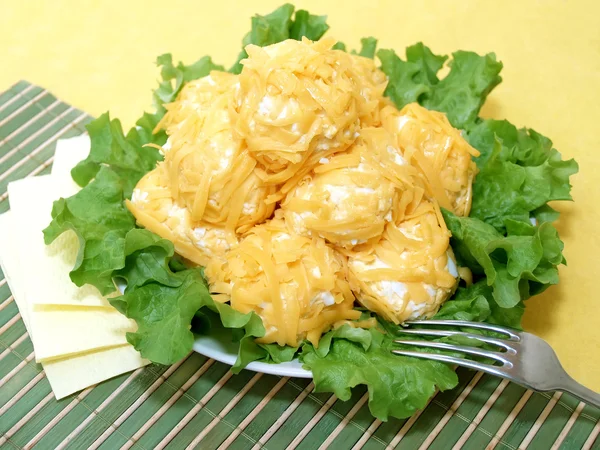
[(494, 370), (457, 348), (445, 333), (465, 323)]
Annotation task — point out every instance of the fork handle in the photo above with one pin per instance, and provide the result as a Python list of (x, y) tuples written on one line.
[(584, 394)]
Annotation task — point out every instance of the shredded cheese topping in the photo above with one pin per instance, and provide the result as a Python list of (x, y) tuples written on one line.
[(299, 102), (439, 151), (410, 272), (154, 208), (300, 188), (210, 170), (297, 285), (345, 201)]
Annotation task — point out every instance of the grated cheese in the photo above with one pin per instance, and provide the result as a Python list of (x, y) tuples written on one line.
[(210, 170), (345, 201), (297, 285), (300, 188), (155, 209), (439, 151), (300, 102), (410, 272)]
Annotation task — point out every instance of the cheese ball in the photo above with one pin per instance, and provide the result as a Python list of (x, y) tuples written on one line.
[(300, 101), (346, 201), (379, 149), (297, 285), (154, 208), (438, 150), (209, 169), (410, 272), (209, 94)]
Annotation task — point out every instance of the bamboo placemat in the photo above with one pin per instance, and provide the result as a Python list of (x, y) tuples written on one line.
[(197, 403)]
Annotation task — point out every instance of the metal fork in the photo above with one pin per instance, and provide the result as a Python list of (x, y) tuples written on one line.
[(522, 357)]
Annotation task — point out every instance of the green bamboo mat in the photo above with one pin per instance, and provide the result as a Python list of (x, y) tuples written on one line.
[(197, 403)]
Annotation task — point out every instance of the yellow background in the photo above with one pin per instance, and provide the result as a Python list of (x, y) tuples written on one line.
[(100, 56)]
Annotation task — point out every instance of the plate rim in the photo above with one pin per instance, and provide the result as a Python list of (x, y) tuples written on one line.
[(214, 348)]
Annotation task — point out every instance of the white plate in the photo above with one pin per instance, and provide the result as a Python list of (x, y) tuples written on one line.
[(225, 351)]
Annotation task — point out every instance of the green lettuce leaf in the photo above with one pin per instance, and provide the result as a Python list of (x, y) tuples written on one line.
[(429, 64), (407, 83), (97, 213), (460, 94), (308, 25), (525, 147), (516, 265), (164, 316), (125, 155), (109, 244), (545, 213), (100, 219), (398, 386), (277, 354), (236, 332), (477, 304), (146, 126), (280, 25), (519, 173), (245, 328), (367, 48), (468, 303), (147, 258), (463, 91), (339, 45)]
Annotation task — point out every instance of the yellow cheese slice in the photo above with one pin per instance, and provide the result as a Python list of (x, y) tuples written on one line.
[(10, 263), (31, 201), (59, 330), (70, 375), (66, 156), (67, 375), (61, 333)]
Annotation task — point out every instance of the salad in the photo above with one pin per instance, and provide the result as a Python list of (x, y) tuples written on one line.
[(310, 200)]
